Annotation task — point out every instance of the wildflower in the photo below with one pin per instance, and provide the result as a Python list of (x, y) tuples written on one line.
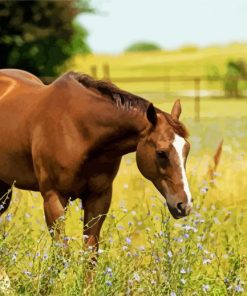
[(130, 282), (125, 210), (27, 272), (120, 227), (153, 282), (206, 261), (204, 190), (130, 223), (45, 256), (128, 240), (199, 246), (51, 231), (108, 270), (182, 270), (183, 281), (9, 217), (125, 248), (100, 251), (179, 239), (136, 277), (27, 215), (205, 288), (142, 248), (169, 253), (148, 229), (61, 218), (133, 213), (186, 235), (14, 256), (239, 289), (37, 255), (108, 283), (173, 294)]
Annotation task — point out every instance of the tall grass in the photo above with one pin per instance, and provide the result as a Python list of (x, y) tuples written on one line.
[(143, 251)]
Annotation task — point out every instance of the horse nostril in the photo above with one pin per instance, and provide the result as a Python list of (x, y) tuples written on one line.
[(180, 206)]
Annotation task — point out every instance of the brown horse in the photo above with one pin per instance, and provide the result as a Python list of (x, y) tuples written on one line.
[(66, 140)]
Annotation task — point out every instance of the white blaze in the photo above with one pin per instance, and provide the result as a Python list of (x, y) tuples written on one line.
[(178, 144)]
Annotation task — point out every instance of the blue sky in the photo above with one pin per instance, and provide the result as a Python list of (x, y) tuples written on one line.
[(170, 23)]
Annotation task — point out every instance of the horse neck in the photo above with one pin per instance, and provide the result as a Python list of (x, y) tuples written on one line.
[(118, 130)]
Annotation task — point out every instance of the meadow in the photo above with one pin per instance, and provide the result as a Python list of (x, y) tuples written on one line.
[(143, 250)]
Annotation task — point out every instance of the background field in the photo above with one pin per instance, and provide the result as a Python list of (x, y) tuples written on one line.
[(143, 250)]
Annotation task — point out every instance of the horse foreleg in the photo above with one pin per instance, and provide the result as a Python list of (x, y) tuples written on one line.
[(54, 208), (95, 210)]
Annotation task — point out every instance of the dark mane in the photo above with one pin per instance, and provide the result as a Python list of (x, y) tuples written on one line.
[(116, 94), (125, 98)]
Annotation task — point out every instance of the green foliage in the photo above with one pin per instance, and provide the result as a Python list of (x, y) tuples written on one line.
[(143, 46), (38, 36), (236, 70)]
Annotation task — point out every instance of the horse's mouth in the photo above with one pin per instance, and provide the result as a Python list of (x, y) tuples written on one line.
[(176, 214)]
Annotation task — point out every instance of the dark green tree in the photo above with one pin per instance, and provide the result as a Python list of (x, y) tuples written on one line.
[(143, 46), (236, 71), (38, 36)]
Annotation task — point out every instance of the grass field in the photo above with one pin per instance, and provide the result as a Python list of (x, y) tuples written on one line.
[(211, 61), (143, 250)]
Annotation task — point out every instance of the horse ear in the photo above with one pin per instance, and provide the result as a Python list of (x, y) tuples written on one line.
[(151, 114), (176, 110)]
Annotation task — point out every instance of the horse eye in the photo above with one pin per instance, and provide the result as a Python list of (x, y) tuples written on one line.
[(162, 155)]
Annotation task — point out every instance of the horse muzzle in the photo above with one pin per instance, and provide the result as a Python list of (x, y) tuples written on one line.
[(180, 210)]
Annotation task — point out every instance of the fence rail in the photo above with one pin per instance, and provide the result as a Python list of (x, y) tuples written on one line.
[(196, 80)]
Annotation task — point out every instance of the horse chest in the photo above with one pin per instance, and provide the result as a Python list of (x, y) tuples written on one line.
[(100, 173)]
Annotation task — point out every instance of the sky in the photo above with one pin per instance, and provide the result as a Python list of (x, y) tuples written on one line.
[(169, 23)]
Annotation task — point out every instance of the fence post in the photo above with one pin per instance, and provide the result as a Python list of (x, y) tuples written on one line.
[(106, 72), (94, 71), (197, 82)]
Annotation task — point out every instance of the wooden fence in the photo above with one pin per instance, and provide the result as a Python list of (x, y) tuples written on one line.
[(196, 80)]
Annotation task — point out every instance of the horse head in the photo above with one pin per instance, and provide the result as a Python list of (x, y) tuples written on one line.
[(161, 158)]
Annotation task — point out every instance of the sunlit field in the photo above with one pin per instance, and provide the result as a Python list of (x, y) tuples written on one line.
[(208, 62), (143, 250)]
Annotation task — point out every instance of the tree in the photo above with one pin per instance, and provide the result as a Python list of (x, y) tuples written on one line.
[(38, 36), (236, 70), (143, 46)]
